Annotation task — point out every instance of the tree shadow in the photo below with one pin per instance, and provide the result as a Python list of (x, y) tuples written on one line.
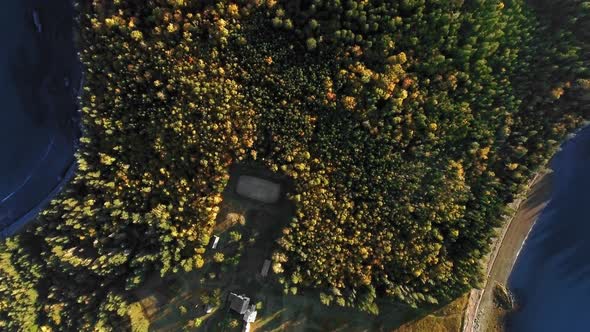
[(304, 312)]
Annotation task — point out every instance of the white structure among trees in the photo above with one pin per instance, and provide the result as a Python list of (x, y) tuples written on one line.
[(241, 305), (215, 242)]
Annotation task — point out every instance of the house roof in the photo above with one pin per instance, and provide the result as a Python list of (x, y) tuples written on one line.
[(239, 303), (250, 314)]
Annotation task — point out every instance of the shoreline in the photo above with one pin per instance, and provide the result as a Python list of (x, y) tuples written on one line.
[(500, 262), (526, 209), (30, 216), (547, 280)]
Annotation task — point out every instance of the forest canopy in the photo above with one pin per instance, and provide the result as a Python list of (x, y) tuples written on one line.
[(406, 126)]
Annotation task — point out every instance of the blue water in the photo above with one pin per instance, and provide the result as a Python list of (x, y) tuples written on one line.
[(38, 125), (551, 278)]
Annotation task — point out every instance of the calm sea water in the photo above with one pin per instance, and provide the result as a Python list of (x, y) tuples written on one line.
[(38, 126), (551, 278)]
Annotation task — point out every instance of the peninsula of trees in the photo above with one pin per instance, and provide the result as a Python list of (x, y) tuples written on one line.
[(406, 127)]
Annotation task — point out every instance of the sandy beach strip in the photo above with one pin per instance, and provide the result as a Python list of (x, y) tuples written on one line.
[(506, 249)]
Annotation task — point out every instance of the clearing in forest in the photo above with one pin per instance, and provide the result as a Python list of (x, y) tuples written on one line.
[(258, 189), (253, 212)]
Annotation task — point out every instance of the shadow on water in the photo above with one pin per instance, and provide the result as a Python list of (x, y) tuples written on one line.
[(550, 278)]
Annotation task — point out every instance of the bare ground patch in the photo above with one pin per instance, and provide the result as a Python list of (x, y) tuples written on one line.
[(258, 189)]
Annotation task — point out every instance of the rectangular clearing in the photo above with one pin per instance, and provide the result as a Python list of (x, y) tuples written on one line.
[(258, 189)]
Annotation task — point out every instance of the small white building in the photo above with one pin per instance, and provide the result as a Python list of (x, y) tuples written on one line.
[(215, 242), (250, 314), (249, 317), (241, 305), (265, 268)]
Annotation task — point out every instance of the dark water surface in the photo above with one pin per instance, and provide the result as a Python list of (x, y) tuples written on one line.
[(39, 78), (551, 278)]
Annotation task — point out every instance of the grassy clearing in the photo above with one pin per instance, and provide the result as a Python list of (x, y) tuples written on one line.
[(446, 319)]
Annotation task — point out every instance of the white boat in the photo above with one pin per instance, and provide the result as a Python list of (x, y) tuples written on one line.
[(37, 21)]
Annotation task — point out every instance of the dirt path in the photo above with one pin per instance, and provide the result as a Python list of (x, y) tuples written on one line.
[(505, 251)]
